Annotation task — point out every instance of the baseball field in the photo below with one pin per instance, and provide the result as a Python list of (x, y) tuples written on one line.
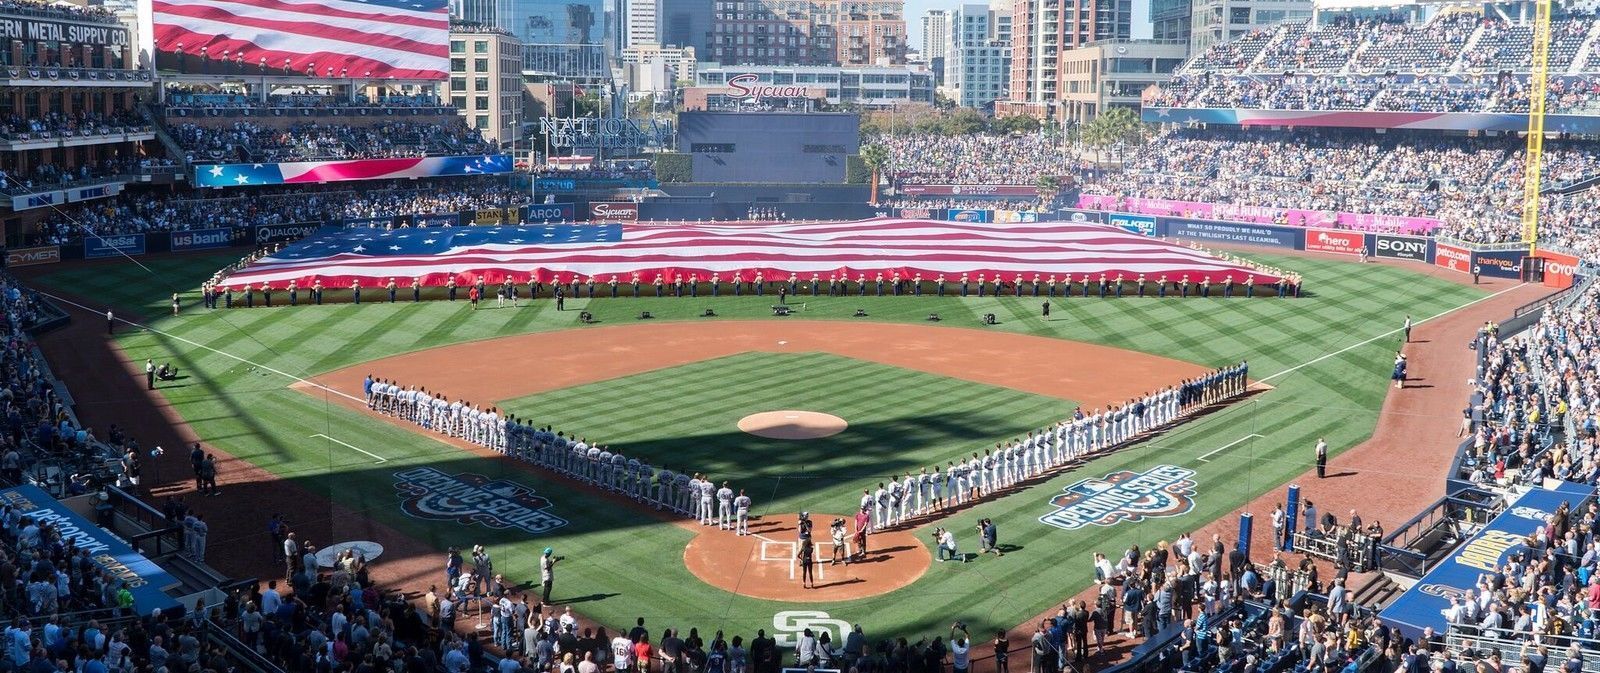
[(272, 387)]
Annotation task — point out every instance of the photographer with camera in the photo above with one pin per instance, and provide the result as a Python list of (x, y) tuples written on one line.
[(836, 531), (547, 571), (946, 541)]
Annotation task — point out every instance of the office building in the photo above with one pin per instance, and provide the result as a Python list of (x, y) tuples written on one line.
[(1170, 19), (977, 65), (935, 34), (653, 67), (808, 32), (1114, 73), (685, 23), (1214, 21), (486, 79), (560, 38), (642, 25)]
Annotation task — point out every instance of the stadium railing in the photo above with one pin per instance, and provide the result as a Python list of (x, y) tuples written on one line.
[(1415, 545), (1470, 642)]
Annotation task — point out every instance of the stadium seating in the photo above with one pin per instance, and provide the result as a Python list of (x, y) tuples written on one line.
[(260, 141)]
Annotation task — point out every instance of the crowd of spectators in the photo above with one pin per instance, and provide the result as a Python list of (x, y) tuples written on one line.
[(60, 124), (251, 141), (59, 10), (144, 212), (974, 159), (1389, 64), (1018, 205)]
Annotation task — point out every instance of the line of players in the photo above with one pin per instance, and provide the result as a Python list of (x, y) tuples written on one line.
[(925, 493), (694, 495)]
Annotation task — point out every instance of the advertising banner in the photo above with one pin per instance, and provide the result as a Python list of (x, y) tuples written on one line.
[(1257, 214), (1453, 258), (1500, 263), (273, 233), (436, 220), (113, 246), (106, 190), (967, 215), (46, 254), (37, 200), (916, 213), (201, 239), (1234, 232), (1071, 215), (488, 216), (313, 172), (577, 184), (360, 222), (544, 213), (1390, 246), (1335, 241), (1144, 225), (969, 190), (147, 581), (613, 211), (1559, 269)]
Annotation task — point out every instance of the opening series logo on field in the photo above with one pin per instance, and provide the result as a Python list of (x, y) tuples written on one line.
[(466, 498), (1161, 491)]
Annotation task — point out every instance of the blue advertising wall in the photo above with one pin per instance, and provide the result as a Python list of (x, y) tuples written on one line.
[(1421, 606), (543, 213), (1237, 233), (113, 246), (1500, 263), (200, 239), (147, 581), (1135, 224)]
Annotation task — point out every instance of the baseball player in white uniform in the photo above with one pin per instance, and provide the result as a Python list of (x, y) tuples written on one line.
[(707, 491), (741, 513), (724, 507)]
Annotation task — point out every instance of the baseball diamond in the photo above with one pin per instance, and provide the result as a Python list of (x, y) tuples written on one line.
[(671, 392)]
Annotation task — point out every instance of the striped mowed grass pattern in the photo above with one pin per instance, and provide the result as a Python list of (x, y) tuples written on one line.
[(254, 416)]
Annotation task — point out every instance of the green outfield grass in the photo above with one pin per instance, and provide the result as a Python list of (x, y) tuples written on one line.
[(900, 421), (628, 565)]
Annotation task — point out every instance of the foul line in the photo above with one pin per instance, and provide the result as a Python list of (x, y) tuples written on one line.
[(1229, 445), (1389, 333), (196, 344), (381, 459)]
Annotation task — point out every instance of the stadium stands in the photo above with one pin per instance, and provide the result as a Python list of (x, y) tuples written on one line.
[(975, 159), (247, 141)]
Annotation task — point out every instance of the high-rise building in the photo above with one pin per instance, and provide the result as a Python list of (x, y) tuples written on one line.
[(685, 23), (1170, 19), (643, 25), (486, 79), (1214, 21), (1042, 30), (808, 32), (977, 64), (935, 34), (561, 38)]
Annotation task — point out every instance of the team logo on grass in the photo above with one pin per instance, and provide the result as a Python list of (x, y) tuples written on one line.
[(466, 498), (1162, 491), (789, 625)]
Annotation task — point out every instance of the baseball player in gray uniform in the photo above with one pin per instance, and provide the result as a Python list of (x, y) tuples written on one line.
[(684, 495), (741, 514), (880, 508), (725, 507), (707, 492)]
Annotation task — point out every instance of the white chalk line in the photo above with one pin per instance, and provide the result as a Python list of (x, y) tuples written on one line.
[(1227, 446), (196, 344), (380, 459), (1387, 334)]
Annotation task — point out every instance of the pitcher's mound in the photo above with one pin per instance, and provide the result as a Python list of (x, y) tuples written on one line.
[(792, 424)]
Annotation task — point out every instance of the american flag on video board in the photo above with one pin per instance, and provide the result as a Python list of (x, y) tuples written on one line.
[(887, 246), (405, 39)]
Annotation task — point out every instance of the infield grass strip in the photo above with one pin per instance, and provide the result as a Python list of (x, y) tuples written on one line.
[(685, 418), (626, 563)]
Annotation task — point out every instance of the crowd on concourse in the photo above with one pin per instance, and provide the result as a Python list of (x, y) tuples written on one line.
[(251, 141)]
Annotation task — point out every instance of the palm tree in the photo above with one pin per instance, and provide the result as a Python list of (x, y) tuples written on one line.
[(1048, 184), (875, 157)]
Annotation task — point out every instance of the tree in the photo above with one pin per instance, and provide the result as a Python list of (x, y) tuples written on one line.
[(1048, 184), (1017, 124), (876, 157), (943, 102), (645, 106), (966, 121)]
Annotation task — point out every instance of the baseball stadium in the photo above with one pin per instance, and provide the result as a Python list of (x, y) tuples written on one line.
[(579, 337)]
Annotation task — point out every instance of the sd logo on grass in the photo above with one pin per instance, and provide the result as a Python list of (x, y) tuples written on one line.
[(466, 498), (1161, 491)]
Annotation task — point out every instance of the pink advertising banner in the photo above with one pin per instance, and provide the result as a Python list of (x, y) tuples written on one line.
[(1258, 214)]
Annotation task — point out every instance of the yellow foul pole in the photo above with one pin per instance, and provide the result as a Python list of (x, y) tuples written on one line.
[(1538, 87)]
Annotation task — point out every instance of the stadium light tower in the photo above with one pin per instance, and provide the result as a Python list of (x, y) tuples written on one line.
[(1539, 85)]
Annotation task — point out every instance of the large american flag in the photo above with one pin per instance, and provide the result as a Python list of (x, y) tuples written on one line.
[(909, 248), (406, 39)]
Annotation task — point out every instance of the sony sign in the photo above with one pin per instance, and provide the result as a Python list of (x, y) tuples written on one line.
[(748, 85), (1413, 248)]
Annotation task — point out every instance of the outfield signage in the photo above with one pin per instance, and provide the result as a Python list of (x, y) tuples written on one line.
[(1390, 246), (363, 222), (544, 213), (45, 254), (474, 499), (1336, 241), (1124, 496), (1560, 270), (147, 581), (101, 247), (1143, 225), (1072, 215), (916, 213), (274, 233), (1500, 263), (436, 220), (968, 215), (201, 239), (613, 211), (969, 190), (1452, 257), (1233, 232)]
